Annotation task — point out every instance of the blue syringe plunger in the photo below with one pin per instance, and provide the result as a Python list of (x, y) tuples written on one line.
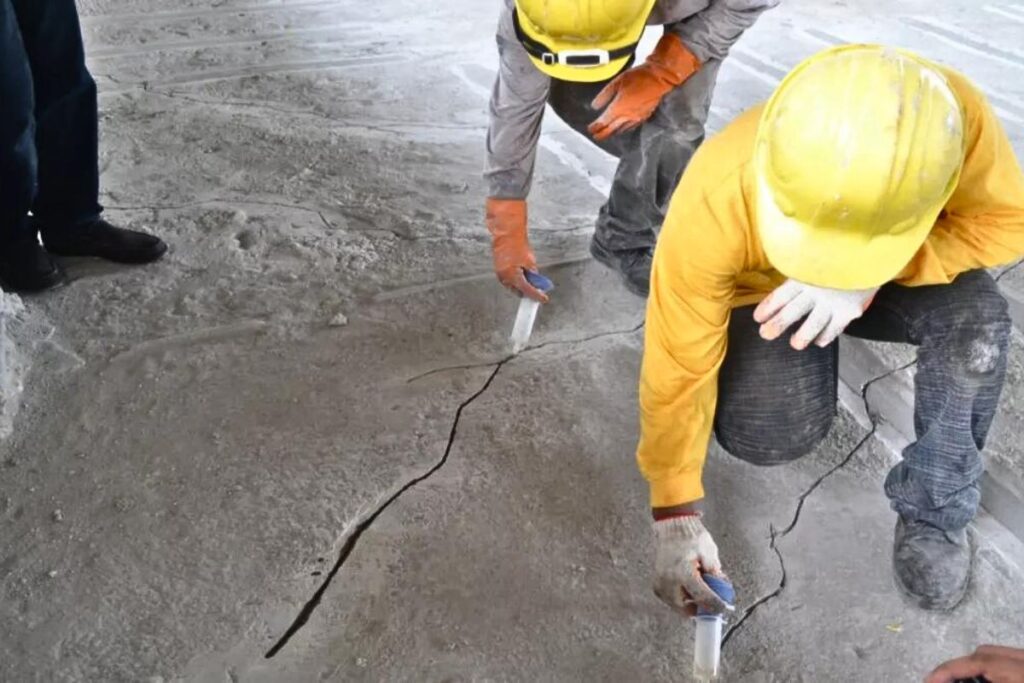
[(722, 588)]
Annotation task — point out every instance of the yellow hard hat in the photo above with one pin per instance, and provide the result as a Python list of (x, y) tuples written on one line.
[(581, 40), (857, 153)]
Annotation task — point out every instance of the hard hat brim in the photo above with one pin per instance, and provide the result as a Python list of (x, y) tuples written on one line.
[(836, 259), (575, 74)]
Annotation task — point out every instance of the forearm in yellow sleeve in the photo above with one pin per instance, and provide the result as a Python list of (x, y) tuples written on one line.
[(692, 286)]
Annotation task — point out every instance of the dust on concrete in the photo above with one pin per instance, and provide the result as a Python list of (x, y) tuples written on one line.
[(212, 428)]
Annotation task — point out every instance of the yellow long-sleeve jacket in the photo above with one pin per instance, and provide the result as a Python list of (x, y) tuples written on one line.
[(709, 260)]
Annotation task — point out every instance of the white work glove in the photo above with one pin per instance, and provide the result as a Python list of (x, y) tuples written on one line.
[(828, 312), (684, 549)]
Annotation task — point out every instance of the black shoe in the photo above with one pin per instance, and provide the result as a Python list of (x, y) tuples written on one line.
[(932, 567), (634, 265), (103, 240), (25, 267)]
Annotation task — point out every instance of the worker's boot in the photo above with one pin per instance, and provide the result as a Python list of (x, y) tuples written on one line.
[(932, 566), (634, 265), (25, 267), (103, 240)]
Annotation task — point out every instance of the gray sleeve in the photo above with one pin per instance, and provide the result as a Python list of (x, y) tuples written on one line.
[(516, 110), (711, 32)]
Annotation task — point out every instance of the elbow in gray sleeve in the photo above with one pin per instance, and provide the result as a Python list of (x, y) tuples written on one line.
[(711, 33)]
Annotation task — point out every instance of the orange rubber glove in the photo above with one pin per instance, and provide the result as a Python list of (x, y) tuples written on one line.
[(634, 94), (506, 221)]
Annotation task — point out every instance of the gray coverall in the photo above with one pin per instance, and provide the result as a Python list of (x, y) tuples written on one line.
[(652, 157)]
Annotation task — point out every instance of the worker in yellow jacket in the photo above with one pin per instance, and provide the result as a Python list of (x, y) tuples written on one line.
[(868, 195)]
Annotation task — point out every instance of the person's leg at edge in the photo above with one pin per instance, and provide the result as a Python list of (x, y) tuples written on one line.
[(962, 331), (652, 159), (24, 265), (66, 210)]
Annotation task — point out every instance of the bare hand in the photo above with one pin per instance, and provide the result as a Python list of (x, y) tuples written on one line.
[(997, 664)]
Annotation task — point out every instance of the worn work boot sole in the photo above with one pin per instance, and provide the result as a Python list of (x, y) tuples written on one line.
[(932, 567), (633, 265)]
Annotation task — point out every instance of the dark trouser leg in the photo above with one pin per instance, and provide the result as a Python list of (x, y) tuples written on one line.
[(65, 112), (17, 131), (963, 332), (651, 158), (774, 404)]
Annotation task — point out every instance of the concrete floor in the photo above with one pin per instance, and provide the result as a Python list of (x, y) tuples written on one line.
[(301, 432)]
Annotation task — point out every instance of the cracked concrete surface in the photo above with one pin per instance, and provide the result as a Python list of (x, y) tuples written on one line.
[(775, 535), (353, 536), (297, 449)]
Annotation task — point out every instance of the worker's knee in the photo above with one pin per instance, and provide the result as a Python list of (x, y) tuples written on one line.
[(991, 338), (974, 329), (771, 446)]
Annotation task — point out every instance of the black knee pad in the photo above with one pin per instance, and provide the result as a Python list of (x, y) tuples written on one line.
[(771, 447)]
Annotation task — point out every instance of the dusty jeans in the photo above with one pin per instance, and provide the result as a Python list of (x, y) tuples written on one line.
[(775, 404), (651, 157)]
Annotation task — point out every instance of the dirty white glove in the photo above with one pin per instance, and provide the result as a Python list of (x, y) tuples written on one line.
[(828, 312), (684, 549)]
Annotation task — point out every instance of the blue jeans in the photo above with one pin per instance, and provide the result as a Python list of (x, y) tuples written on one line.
[(775, 404), (48, 120)]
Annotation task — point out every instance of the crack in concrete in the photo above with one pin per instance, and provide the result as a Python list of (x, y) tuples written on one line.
[(448, 368), (350, 543), (775, 534), (1009, 269), (401, 292), (599, 335), (528, 349)]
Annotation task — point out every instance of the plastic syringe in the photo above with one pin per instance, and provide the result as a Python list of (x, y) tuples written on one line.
[(707, 645), (527, 313)]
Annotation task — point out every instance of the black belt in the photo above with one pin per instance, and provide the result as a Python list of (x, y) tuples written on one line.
[(577, 58)]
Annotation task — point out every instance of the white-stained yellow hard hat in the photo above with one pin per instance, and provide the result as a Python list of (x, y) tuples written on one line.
[(857, 153)]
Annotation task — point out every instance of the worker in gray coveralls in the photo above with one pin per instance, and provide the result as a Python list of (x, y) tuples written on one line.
[(575, 55)]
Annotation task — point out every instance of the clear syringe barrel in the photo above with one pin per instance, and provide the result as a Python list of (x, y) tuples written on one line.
[(707, 643), (526, 315), (523, 326), (707, 648)]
